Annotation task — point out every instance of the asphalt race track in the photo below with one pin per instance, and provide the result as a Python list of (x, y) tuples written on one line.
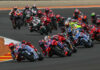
[(84, 59)]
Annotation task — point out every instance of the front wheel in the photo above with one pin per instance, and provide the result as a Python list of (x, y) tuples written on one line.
[(89, 44), (40, 57)]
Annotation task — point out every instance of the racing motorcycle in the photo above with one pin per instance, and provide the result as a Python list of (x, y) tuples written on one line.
[(24, 54), (53, 49), (18, 21), (34, 25), (43, 30), (20, 54), (95, 35), (71, 47), (85, 40), (66, 42), (26, 16)]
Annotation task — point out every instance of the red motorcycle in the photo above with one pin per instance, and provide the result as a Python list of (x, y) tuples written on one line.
[(95, 33), (53, 49)]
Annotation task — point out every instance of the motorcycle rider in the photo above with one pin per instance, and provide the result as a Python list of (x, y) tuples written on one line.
[(31, 50), (92, 31), (29, 19), (13, 13), (31, 45), (14, 10), (76, 13), (26, 13), (47, 12), (60, 41), (42, 44), (34, 10), (50, 13), (71, 30), (74, 24), (45, 44), (15, 49), (39, 14), (58, 17), (62, 21), (93, 17), (27, 8), (84, 19), (53, 21), (47, 23), (11, 47)]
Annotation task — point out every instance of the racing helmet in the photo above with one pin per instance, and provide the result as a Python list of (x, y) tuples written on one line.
[(39, 12), (15, 8), (46, 38), (51, 11), (28, 43), (23, 42), (84, 18), (11, 44), (57, 16), (69, 19), (47, 10), (48, 20), (49, 37), (27, 7), (34, 6), (66, 23), (76, 10), (52, 15), (93, 14)]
